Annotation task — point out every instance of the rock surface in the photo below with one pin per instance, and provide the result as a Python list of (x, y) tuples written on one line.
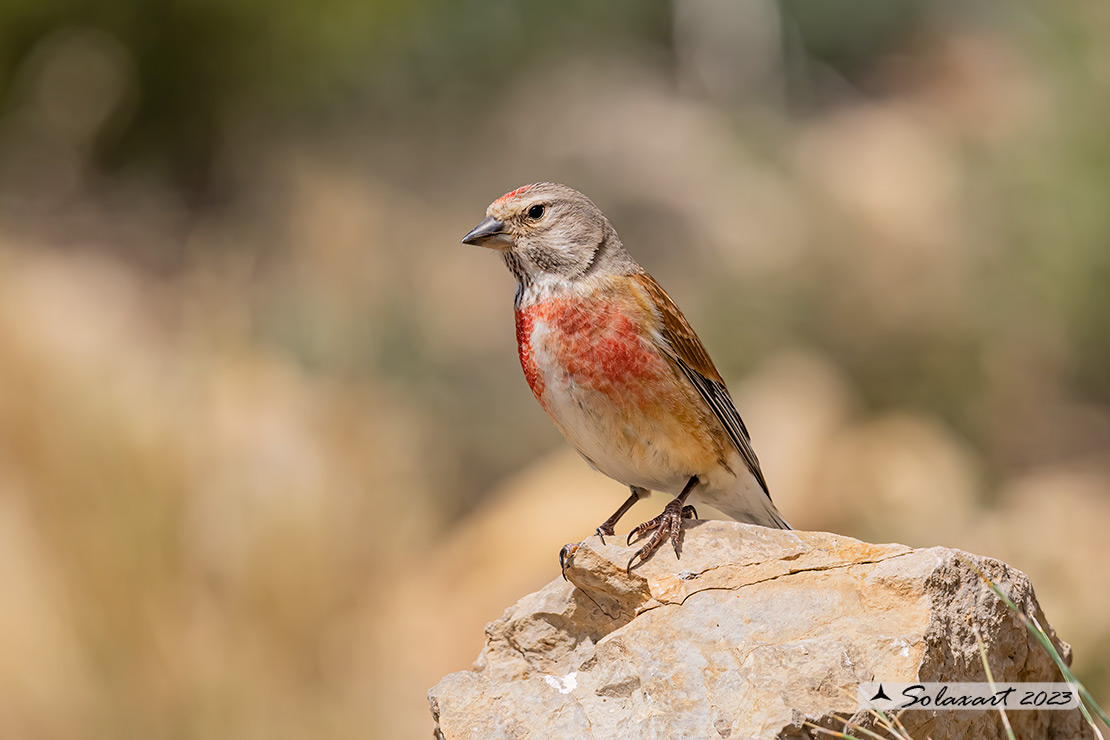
[(750, 634)]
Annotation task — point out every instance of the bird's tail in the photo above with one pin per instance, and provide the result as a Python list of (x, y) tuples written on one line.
[(748, 502), (779, 521)]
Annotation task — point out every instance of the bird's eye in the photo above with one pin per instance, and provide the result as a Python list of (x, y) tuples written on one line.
[(536, 212)]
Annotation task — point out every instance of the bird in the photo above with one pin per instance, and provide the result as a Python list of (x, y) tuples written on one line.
[(613, 361)]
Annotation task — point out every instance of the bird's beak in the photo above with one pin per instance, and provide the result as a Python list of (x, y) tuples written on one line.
[(490, 233)]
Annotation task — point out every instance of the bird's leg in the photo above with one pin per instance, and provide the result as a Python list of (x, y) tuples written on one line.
[(606, 527), (667, 525)]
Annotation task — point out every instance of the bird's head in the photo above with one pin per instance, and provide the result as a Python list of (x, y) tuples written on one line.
[(546, 230)]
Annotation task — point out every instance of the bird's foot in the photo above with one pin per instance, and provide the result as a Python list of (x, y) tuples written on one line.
[(605, 528), (666, 526), (565, 555)]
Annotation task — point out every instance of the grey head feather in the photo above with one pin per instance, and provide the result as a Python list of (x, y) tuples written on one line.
[(571, 240)]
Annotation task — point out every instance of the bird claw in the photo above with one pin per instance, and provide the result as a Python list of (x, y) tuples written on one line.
[(666, 526), (565, 555), (641, 529), (688, 512), (604, 529)]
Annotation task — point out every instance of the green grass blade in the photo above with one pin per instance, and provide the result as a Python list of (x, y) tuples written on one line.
[(1087, 702), (990, 680)]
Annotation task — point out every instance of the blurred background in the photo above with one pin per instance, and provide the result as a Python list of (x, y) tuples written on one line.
[(267, 460)]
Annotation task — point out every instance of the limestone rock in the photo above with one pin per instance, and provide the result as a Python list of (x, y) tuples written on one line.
[(751, 633)]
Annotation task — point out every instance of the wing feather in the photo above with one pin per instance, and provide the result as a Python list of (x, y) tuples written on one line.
[(690, 355)]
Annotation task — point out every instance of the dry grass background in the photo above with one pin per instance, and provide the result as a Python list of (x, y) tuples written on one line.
[(266, 469)]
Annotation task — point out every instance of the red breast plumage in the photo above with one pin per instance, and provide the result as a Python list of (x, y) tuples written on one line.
[(594, 341)]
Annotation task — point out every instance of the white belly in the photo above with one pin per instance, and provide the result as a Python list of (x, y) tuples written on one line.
[(621, 444)]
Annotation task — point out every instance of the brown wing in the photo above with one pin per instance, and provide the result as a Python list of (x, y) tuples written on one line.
[(690, 355)]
